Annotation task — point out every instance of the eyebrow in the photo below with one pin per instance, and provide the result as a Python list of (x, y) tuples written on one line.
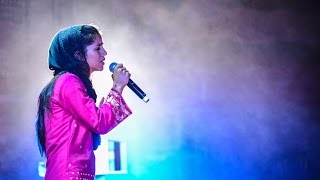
[(100, 44)]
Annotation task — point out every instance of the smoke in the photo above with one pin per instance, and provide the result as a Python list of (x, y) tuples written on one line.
[(232, 84)]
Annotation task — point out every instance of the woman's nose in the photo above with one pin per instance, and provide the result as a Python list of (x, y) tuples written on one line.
[(104, 53)]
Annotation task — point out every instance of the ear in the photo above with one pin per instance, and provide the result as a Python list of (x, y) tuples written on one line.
[(78, 55)]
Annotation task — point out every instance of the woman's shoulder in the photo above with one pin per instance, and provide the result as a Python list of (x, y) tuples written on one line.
[(68, 77), (68, 80), (66, 87)]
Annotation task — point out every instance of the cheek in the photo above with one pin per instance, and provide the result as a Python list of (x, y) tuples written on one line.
[(91, 57)]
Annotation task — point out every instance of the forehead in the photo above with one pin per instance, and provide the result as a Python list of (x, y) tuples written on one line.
[(96, 43), (97, 39)]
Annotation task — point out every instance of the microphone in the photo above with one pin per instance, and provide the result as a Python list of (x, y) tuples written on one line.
[(132, 85)]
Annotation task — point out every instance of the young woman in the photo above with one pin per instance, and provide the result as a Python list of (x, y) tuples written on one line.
[(68, 121)]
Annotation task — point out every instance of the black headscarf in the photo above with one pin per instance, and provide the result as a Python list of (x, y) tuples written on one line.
[(62, 52)]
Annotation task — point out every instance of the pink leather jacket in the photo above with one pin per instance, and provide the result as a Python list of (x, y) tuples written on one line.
[(69, 126)]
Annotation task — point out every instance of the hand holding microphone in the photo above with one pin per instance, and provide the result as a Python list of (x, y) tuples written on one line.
[(121, 78)]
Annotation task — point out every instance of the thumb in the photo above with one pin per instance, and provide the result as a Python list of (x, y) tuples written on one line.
[(101, 102)]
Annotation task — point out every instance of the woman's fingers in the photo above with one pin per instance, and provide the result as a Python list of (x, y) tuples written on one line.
[(119, 66), (121, 74), (101, 102)]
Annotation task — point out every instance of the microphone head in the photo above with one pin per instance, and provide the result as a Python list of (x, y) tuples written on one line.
[(112, 66)]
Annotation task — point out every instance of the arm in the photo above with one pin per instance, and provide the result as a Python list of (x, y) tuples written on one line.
[(99, 120)]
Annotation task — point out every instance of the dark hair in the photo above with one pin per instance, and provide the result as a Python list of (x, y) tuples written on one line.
[(70, 40)]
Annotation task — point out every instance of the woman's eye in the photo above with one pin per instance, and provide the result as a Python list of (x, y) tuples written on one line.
[(97, 49)]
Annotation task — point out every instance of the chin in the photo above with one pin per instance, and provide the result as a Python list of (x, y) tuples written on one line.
[(96, 70)]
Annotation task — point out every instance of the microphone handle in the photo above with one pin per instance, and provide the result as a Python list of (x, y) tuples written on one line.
[(136, 89)]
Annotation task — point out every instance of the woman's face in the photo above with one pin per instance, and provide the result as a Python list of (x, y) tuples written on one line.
[(95, 54)]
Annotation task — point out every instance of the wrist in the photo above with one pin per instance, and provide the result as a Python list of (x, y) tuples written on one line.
[(118, 88)]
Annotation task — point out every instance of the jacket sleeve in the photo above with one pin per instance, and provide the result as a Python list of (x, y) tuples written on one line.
[(99, 120)]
